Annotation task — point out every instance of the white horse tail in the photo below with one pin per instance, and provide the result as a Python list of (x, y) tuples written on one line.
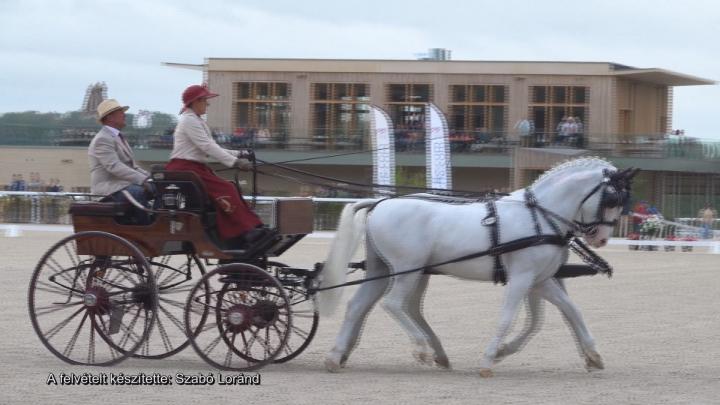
[(350, 232)]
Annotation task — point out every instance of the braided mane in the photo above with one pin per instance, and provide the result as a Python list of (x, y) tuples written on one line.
[(574, 164)]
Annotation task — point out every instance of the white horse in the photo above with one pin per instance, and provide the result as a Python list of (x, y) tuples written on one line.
[(582, 196)]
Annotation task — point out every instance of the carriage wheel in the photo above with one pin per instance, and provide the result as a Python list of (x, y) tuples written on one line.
[(175, 276), (92, 299), (305, 317), (249, 322)]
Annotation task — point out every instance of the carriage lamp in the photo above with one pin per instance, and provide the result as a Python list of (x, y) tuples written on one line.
[(172, 198)]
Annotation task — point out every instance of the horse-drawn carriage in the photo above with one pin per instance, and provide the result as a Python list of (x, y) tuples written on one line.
[(116, 289)]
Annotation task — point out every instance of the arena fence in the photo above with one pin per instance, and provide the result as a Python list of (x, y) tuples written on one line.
[(28, 207)]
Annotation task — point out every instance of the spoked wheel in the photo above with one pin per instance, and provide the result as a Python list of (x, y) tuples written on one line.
[(92, 299), (249, 320), (305, 317), (175, 276)]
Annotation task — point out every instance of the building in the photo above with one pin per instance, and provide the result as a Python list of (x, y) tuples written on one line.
[(310, 98), (307, 109)]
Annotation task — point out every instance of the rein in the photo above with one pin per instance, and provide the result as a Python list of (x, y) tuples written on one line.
[(498, 249)]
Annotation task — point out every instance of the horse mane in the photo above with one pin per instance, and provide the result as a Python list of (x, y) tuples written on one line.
[(589, 162)]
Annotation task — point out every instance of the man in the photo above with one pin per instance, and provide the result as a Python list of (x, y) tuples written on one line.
[(112, 165), (707, 216)]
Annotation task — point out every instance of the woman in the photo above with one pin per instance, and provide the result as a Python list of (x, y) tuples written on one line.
[(193, 144)]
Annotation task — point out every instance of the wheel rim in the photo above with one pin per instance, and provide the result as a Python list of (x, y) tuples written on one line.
[(175, 277), (92, 309), (251, 321)]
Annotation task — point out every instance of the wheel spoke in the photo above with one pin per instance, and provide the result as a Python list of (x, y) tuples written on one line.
[(54, 330), (71, 344)]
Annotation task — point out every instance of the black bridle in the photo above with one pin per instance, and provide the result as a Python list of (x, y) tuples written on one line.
[(614, 193), (615, 189)]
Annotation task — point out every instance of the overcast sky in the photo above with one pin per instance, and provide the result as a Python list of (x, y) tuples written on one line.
[(51, 50)]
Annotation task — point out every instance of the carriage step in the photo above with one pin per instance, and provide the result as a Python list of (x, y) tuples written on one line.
[(298, 272)]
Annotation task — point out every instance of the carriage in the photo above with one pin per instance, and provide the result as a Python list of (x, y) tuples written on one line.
[(117, 289)]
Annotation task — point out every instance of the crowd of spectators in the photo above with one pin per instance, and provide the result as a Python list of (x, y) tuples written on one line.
[(34, 183)]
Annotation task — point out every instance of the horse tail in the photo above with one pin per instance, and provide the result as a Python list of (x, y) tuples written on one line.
[(350, 232)]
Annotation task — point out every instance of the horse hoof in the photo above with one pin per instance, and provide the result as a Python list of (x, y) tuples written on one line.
[(332, 366), (593, 361), (424, 358), (442, 362), (501, 354), (486, 373)]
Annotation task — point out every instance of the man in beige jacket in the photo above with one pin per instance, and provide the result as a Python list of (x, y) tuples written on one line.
[(112, 164)]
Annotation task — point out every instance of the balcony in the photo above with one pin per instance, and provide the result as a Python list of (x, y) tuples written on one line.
[(653, 151)]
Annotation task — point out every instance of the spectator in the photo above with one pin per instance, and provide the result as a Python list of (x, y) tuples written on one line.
[(707, 215), (579, 136), (20, 183), (35, 183), (525, 130)]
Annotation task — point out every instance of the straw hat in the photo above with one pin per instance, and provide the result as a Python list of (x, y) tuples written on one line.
[(108, 106)]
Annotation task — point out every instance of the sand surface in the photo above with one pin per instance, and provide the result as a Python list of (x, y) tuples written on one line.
[(656, 324)]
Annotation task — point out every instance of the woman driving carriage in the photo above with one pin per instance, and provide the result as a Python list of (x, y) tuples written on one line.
[(192, 145)]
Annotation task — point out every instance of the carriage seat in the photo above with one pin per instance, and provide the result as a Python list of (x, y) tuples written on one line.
[(99, 209), (190, 184)]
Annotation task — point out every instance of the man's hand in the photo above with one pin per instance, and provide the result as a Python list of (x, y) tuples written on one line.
[(242, 164)]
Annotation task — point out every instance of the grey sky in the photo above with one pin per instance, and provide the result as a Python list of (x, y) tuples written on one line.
[(51, 50)]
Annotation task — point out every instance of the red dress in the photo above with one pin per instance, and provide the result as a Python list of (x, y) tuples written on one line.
[(233, 221)]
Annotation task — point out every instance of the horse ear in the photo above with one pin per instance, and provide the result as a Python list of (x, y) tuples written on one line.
[(632, 173)]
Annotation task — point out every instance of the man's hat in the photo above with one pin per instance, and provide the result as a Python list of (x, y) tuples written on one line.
[(196, 92), (108, 106)]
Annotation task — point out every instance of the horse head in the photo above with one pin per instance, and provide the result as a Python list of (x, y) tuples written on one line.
[(603, 205)]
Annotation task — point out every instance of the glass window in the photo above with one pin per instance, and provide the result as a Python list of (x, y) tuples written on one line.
[(483, 109), (479, 94), (459, 94), (579, 95), (565, 102), (263, 106), (498, 93)]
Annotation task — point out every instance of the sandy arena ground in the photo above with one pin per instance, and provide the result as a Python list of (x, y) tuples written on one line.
[(656, 323)]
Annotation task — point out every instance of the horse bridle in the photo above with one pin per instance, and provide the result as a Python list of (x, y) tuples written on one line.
[(608, 199)]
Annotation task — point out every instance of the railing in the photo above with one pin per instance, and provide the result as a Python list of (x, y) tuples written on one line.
[(52, 208), (655, 146)]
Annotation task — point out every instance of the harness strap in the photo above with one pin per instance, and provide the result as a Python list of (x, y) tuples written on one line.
[(492, 220), (501, 248)]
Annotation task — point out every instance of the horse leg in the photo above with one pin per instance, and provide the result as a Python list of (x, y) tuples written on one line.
[(397, 303), (357, 310), (554, 291), (517, 288), (532, 325), (414, 310)]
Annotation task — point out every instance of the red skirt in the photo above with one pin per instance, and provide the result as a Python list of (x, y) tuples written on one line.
[(234, 216)]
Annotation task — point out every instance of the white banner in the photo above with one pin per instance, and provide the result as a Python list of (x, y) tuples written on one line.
[(438, 166), (383, 145)]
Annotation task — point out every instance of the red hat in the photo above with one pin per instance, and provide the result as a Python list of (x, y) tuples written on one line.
[(196, 92)]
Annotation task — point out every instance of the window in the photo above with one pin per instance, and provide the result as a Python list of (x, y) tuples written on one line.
[(478, 110), (340, 112), (406, 104), (550, 104), (262, 108)]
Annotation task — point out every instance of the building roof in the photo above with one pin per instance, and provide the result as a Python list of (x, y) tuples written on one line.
[(519, 68)]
